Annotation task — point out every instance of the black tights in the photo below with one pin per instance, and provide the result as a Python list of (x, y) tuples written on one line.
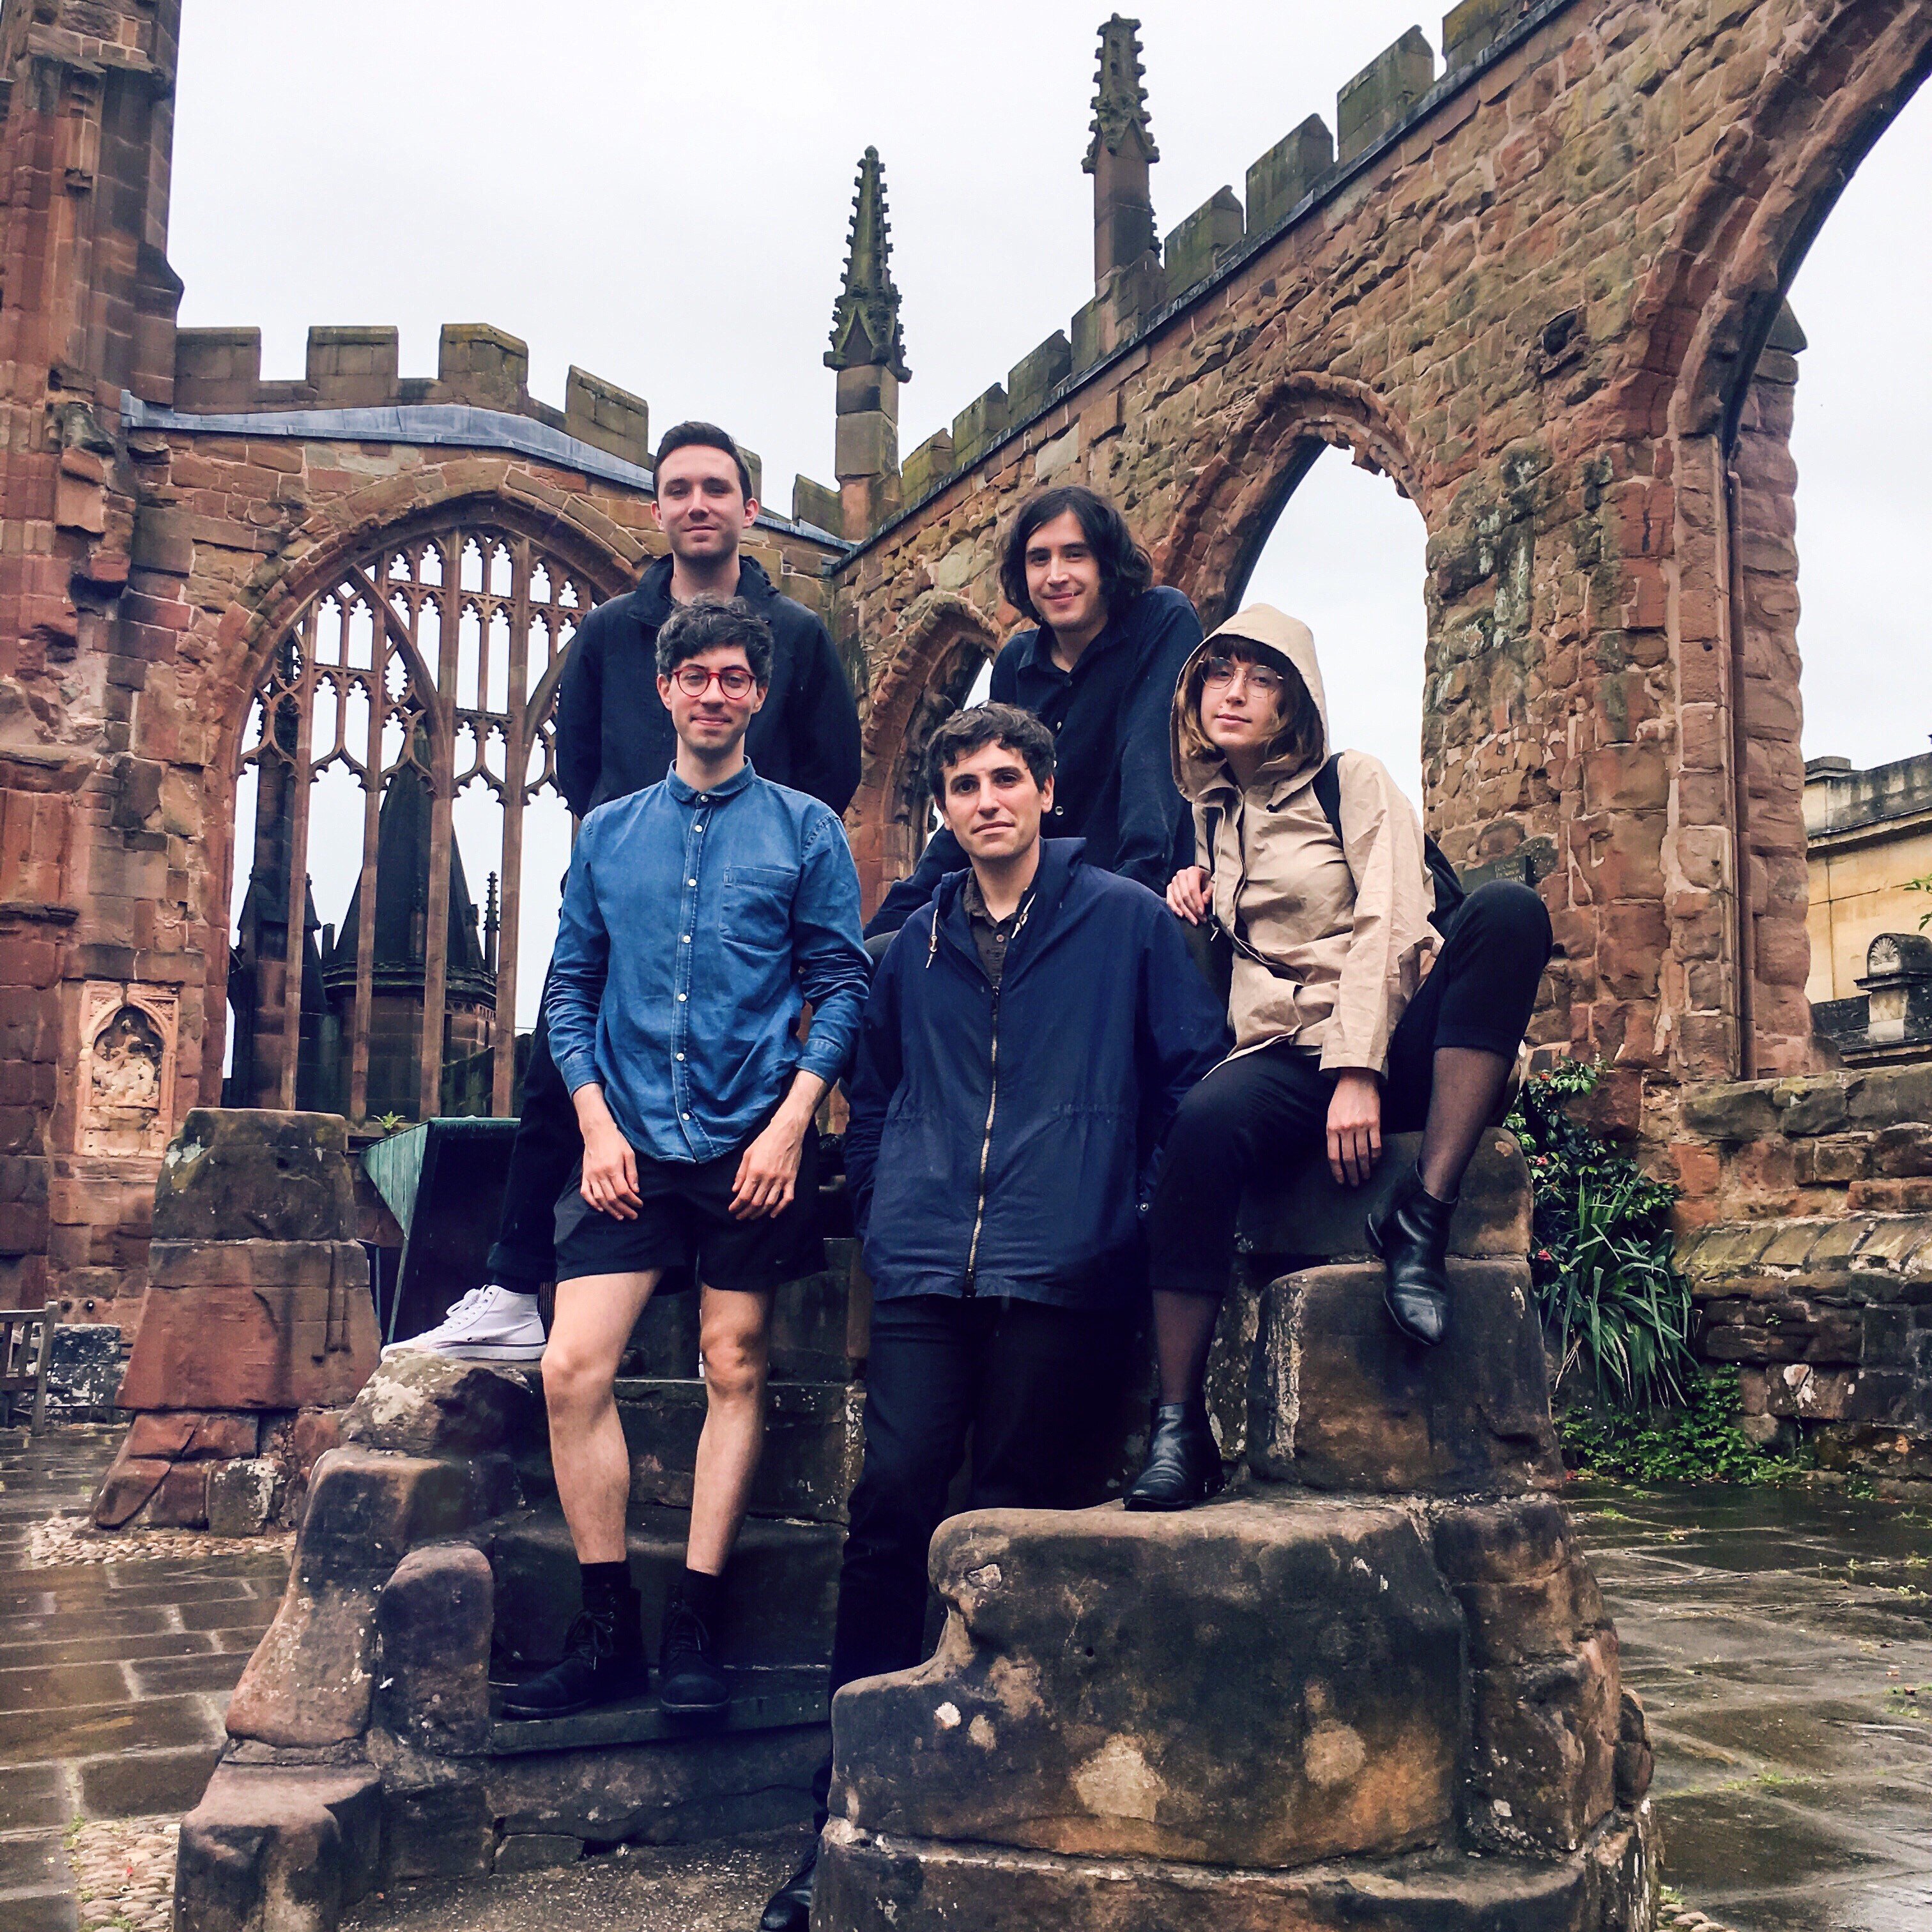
[(1448, 1059)]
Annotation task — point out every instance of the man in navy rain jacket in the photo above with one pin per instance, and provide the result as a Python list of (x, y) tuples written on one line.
[(1030, 1033)]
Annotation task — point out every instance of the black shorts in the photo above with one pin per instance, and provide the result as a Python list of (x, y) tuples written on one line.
[(683, 1218)]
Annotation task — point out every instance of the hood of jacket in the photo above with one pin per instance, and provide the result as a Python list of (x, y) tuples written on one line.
[(1199, 769), (1334, 930)]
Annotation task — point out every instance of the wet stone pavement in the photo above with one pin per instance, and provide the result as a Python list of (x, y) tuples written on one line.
[(113, 1679), (1781, 1640)]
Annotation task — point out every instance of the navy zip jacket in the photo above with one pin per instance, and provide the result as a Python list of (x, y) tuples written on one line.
[(1004, 1145), (1113, 781), (614, 736)]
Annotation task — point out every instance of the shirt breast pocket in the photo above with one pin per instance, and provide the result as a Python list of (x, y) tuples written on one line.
[(756, 908)]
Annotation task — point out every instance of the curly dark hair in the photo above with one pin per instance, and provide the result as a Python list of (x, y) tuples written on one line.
[(966, 732), (1126, 570), (695, 628)]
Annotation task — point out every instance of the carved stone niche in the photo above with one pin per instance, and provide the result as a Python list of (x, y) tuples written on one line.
[(126, 1074)]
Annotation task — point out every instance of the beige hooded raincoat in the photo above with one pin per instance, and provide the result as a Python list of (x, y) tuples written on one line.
[(1347, 930)]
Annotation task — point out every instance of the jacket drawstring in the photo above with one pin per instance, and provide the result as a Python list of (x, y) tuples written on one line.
[(932, 944)]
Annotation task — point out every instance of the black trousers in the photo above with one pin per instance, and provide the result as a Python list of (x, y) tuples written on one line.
[(1270, 1109), (545, 1154), (1040, 1389)]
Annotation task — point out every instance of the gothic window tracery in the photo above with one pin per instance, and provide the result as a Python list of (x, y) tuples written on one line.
[(417, 689)]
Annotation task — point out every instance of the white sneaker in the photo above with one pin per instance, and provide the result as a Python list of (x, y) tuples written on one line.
[(489, 1325)]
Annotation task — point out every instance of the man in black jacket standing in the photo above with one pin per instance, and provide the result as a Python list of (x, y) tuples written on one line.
[(1098, 671), (614, 737), (1030, 1034)]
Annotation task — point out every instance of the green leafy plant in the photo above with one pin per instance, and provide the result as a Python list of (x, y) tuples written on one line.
[(1615, 1307), (1699, 1442), (390, 1123), (1924, 885)]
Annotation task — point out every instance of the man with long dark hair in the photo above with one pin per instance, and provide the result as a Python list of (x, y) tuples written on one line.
[(1099, 671)]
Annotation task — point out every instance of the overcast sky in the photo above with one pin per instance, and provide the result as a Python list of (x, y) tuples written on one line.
[(661, 195)]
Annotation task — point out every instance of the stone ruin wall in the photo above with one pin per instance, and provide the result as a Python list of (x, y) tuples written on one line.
[(166, 513), (1526, 289)]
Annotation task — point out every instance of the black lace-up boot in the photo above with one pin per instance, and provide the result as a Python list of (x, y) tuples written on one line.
[(1183, 1462), (1410, 1233), (690, 1683), (603, 1663)]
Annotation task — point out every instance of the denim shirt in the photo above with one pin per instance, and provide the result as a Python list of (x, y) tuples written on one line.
[(695, 926)]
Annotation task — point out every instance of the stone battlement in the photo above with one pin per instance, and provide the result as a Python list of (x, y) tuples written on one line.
[(1394, 94)]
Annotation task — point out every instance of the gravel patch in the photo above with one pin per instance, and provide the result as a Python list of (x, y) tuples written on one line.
[(124, 1870), (67, 1538)]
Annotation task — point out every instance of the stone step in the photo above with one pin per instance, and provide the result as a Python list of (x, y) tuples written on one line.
[(778, 1610), (764, 1698), (809, 1464)]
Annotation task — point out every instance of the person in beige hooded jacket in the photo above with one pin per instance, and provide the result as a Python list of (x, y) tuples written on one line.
[(1353, 1014)]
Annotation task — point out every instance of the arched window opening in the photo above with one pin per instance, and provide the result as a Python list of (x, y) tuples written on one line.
[(399, 761), (1347, 555), (1861, 408)]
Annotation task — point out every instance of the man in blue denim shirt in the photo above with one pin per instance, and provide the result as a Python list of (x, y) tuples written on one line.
[(699, 915)]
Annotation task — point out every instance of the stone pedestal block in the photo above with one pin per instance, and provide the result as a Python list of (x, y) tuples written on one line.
[(425, 1405), (249, 1174), (253, 1325), (276, 1848), (1341, 1400), (433, 1624), (876, 1882), (1247, 1685), (1307, 1218)]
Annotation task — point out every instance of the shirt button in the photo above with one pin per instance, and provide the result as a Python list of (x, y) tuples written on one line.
[(682, 997), (690, 882), (680, 1056), (687, 938), (686, 1117)]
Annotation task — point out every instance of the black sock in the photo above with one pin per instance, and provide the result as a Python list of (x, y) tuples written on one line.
[(703, 1594), (607, 1586)]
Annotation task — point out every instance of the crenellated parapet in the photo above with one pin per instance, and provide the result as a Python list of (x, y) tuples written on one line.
[(1138, 283), (218, 371)]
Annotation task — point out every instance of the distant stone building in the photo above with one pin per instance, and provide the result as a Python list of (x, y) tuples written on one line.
[(1868, 835)]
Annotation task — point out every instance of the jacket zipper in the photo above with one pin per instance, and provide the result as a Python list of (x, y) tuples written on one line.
[(985, 1144)]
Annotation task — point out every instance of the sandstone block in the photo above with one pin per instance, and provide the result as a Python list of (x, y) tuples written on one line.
[(242, 1496), (1340, 1400), (1073, 1706), (308, 1683), (433, 1620), (873, 1882), (440, 1830), (424, 1405), (368, 1508), (126, 1488), (239, 1174), (1541, 1768), (1525, 1589), (253, 1325), (660, 1794), (276, 1848), (1307, 1217), (181, 1500), (810, 1457)]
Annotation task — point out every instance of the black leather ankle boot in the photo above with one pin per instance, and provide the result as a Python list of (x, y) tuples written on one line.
[(1410, 1233), (1184, 1463)]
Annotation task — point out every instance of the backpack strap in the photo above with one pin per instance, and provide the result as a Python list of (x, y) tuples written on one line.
[(1327, 785)]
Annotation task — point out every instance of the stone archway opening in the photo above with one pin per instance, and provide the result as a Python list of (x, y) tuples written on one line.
[(394, 784), (1862, 629), (1347, 554)]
